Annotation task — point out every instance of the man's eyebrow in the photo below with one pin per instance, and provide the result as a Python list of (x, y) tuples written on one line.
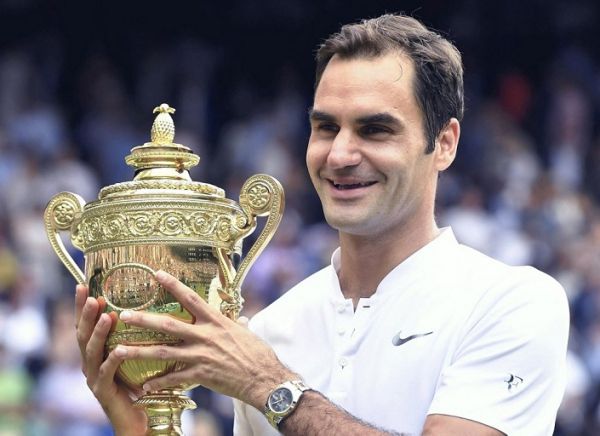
[(316, 115), (380, 118), (377, 118)]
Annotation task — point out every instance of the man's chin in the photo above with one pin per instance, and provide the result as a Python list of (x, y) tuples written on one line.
[(348, 224)]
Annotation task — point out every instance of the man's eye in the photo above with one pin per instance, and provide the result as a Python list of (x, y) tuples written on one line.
[(373, 130), (328, 127)]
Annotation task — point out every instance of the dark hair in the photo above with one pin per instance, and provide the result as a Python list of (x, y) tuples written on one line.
[(438, 83)]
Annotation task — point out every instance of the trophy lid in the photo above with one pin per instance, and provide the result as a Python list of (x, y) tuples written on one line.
[(161, 163)]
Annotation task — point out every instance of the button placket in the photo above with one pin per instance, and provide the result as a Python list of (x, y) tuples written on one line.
[(343, 316), (350, 333), (353, 324)]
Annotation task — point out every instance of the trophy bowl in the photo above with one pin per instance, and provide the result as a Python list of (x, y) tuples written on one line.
[(163, 220)]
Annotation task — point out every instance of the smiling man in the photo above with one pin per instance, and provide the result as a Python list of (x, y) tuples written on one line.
[(407, 331)]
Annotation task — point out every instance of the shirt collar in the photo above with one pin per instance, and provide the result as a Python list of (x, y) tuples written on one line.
[(426, 260)]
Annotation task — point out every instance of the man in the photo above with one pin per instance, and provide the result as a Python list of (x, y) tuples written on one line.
[(407, 332)]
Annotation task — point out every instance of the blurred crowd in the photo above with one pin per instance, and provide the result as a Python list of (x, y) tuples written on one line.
[(525, 189)]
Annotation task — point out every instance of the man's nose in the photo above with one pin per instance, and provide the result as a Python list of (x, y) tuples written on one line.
[(344, 151)]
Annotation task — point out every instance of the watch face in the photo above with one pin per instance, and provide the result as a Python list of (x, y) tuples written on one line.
[(280, 400)]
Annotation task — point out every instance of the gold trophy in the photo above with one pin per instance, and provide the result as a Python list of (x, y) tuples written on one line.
[(163, 220)]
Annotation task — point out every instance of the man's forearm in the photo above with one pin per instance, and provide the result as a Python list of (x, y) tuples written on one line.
[(316, 415)]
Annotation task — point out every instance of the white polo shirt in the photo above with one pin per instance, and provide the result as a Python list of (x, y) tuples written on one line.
[(448, 331)]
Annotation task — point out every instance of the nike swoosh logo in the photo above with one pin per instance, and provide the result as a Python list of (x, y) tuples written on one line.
[(398, 340)]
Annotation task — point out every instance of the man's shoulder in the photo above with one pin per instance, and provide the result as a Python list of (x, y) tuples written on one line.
[(479, 265), (495, 280)]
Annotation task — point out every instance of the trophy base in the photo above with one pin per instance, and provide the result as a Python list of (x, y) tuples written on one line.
[(163, 409)]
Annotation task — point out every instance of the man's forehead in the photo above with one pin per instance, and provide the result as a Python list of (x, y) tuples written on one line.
[(355, 94), (362, 78), (398, 61)]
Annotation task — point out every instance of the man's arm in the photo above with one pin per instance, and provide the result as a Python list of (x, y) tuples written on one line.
[(224, 356), (452, 425), (315, 415)]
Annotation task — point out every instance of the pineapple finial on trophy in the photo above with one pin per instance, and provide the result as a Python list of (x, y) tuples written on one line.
[(163, 128), (161, 158)]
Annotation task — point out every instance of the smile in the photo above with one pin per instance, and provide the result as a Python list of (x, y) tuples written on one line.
[(345, 186)]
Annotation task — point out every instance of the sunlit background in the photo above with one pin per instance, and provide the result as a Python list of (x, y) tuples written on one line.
[(78, 83)]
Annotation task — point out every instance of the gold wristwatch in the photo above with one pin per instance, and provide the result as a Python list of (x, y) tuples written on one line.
[(283, 400)]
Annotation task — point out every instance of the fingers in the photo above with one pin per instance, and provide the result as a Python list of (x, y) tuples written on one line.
[(86, 322), (163, 323), (154, 352), (94, 350), (171, 379), (101, 304), (81, 294), (106, 374), (188, 298)]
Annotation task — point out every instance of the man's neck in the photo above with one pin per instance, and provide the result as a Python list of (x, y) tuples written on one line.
[(366, 260)]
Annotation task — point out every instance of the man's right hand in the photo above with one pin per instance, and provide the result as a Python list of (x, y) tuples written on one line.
[(93, 328)]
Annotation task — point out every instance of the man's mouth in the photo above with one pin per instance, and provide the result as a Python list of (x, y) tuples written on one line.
[(344, 186)]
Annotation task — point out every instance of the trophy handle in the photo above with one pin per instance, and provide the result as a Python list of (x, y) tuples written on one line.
[(60, 214), (261, 195)]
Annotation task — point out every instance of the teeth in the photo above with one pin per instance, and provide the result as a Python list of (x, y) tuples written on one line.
[(353, 185)]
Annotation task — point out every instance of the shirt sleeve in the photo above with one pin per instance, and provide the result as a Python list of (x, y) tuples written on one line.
[(508, 371)]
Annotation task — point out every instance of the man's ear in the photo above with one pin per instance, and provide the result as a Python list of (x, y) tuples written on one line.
[(446, 145)]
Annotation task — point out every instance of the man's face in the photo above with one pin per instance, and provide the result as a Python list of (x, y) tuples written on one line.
[(366, 152)]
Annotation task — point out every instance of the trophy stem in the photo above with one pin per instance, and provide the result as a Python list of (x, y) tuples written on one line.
[(163, 409)]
